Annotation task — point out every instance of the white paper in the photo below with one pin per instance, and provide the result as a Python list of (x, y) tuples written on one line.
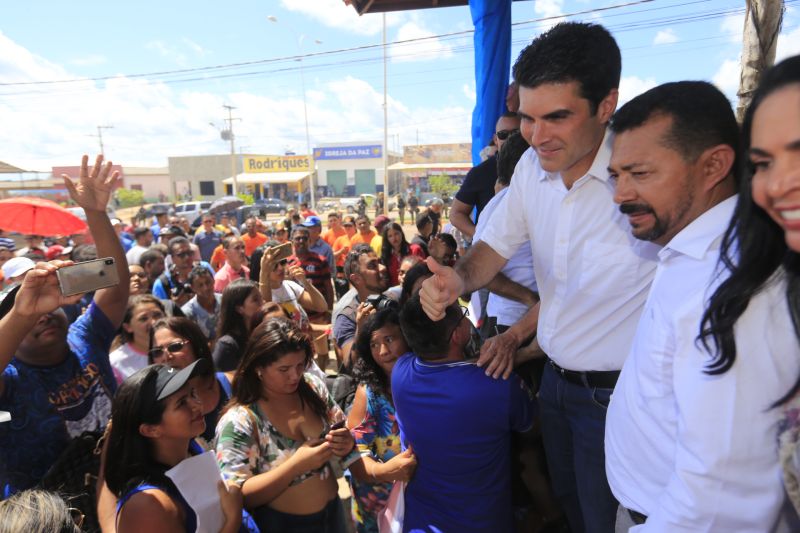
[(196, 479), (5, 416)]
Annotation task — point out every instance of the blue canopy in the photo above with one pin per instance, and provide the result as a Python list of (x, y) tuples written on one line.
[(492, 41)]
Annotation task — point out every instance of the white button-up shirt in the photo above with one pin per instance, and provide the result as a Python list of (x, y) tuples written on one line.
[(593, 275), (696, 452), (518, 269)]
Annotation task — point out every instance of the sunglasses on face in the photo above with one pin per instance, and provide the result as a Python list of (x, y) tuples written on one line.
[(183, 255), (279, 264), (300, 239), (173, 347), (505, 134)]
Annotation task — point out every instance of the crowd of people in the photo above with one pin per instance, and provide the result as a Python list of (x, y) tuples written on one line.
[(628, 359)]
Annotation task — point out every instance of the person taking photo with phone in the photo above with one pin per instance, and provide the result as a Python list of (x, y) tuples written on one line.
[(57, 380)]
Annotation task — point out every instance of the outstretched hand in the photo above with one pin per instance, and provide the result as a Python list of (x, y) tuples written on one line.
[(94, 187), (40, 293), (440, 290)]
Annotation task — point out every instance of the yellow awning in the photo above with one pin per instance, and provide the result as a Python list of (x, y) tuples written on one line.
[(267, 177)]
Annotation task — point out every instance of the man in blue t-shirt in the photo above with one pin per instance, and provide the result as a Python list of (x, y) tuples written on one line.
[(458, 421), (56, 380)]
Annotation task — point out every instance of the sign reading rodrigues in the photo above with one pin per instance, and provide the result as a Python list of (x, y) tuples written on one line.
[(277, 163), (372, 151)]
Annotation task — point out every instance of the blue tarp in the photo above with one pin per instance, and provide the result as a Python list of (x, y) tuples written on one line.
[(492, 41)]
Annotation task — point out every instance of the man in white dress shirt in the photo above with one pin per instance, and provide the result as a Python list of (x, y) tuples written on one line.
[(686, 450), (593, 275)]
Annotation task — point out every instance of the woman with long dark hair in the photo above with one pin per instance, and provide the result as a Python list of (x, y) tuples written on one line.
[(156, 415), (142, 312), (394, 248), (372, 419), (278, 439), (756, 308), (179, 342), (241, 299)]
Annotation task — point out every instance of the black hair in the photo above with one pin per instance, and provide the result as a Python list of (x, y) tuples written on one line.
[(188, 329), (701, 117), (133, 302), (428, 339), (298, 227), (362, 217), (386, 247), (84, 252), (753, 249), (140, 231), (231, 322), (572, 52), (508, 156), (366, 370), (175, 241), (228, 241), (129, 459), (270, 341), (149, 255), (198, 271), (255, 260), (423, 219), (508, 114), (448, 240), (420, 270), (351, 262)]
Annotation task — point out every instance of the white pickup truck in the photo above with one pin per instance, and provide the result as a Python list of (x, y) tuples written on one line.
[(351, 204)]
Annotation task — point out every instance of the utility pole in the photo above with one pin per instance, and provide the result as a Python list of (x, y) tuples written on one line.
[(385, 127), (762, 24), (230, 136), (100, 137)]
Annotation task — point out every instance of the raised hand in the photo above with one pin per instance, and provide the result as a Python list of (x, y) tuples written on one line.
[(440, 290), (39, 293), (94, 187)]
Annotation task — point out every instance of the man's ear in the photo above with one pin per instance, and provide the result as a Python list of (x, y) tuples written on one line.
[(717, 163), (607, 106), (151, 431)]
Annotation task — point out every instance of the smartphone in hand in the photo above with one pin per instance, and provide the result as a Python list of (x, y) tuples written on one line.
[(87, 276)]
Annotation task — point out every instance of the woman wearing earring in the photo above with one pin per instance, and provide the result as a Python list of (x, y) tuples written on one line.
[(280, 437)]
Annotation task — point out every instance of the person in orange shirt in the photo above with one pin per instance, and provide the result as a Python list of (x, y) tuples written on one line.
[(335, 229), (253, 238), (341, 246), (365, 233)]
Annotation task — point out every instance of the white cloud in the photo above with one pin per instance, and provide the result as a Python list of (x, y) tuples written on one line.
[(50, 125), (469, 91), (727, 78), (90, 60), (167, 51), (667, 36), (632, 86), (549, 9), (428, 48), (788, 44), (335, 14), (733, 25)]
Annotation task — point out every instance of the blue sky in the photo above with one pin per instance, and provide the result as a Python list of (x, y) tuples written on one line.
[(431, 82)]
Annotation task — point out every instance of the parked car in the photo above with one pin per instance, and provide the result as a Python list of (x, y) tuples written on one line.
[(191, 210), (246, 211), (327, 204), (272, 205), (349, 204), (426, 198)]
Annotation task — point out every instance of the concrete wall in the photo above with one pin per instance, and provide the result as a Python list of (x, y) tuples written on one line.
[(186, 173)]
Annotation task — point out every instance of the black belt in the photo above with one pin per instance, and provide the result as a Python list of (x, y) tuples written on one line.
[(637, 517), (606, 379)]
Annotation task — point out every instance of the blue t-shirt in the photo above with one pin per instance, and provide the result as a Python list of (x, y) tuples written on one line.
[(458, 422), (207, 241), (49, 405)]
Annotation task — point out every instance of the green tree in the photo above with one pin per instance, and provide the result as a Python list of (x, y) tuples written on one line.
[(246, 198), (130, 197), (442, 183)]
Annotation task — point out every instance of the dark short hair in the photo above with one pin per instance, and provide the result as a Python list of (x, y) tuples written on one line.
[(508, 157), (228, 241), (426, 338), (448, 240), (701, 117), (297, 228), (420, 270), (423, 219), (572, 51), (351, 262), (150, 255), (140, 231), (362, 217), (175, 241), (198, 271), (84, 252)]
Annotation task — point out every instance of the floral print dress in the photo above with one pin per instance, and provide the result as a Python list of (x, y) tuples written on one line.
[(244, 451), (377, 437), (789, 449)]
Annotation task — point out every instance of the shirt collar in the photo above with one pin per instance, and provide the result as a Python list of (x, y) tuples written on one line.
[(699, 237)]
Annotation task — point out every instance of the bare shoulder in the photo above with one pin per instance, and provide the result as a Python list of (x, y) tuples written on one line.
[(151, 510)]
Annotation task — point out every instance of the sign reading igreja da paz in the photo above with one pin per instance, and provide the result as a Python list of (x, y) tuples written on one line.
[(371, 151)]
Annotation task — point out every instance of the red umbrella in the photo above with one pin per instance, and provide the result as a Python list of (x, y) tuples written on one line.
[(37, 216)]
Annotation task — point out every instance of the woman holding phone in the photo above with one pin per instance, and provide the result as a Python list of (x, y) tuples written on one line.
[(296, 295), (279, 440)]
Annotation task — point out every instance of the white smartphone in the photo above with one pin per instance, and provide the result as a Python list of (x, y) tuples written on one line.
[(87, 276)]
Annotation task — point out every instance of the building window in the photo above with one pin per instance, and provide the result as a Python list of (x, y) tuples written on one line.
[(207, 188), (137, 187)]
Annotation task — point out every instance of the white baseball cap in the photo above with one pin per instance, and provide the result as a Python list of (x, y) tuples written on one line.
[(16, 267)]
